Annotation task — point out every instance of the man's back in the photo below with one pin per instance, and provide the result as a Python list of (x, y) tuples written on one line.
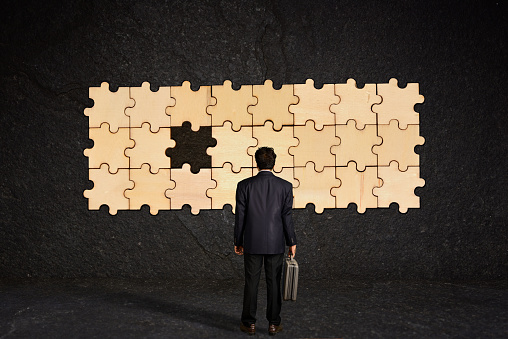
[(264, 222)]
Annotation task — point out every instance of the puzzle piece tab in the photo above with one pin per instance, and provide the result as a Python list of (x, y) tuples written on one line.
[(150, 148), (150, 106), (272, 104), (399, 187), (191, 106), (232, 105), (226, 179), (149, 189), (315, 187), (314, 145), (356, 187), (108, 107), (231, 146), (314, 104), (398, 103), (356, 145), (190, 188), (108, 189), (280, 141), (109, 148), (355, 103), (399, 145)]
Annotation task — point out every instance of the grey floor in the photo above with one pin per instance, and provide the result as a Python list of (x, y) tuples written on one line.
[(107, 308)]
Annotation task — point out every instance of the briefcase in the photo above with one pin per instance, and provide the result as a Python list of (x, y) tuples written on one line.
[(290, 279)]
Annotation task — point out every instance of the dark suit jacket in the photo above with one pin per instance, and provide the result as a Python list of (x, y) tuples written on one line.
[(263, 221)]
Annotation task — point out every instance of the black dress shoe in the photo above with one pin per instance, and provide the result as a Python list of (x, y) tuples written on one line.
[(251, 330), (274, 329)]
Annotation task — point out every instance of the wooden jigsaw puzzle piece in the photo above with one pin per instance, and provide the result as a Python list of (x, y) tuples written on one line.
[(279, 140), (108, 107), (191, 106), (150, 106), (398, 103), (190, 188), (225, 191), (314, 145), (108, 189), (356, 187), (314, 104), (355, 103), (356, 145), (399, 145), (149, 189), (272, 105), (231, 105), (150, 148), (231, 146), (398, 187), (109, 148), (315, 187)]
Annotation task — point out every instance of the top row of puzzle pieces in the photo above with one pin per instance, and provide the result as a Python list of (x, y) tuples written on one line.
[(253, 105)]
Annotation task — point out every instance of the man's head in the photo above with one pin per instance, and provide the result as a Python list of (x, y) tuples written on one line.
[(265, 158)]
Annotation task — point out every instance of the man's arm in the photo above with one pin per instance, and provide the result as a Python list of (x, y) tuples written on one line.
[(287, 221), (239, 219)]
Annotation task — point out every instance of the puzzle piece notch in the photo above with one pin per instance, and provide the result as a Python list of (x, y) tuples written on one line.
[(399, 145), (232, 105), (314, 146), (108, 107), (355, 103), (232, 152), (356, 145), (149, 148), (272, 105), (190, 188), (398, 103), (191, 106), (356, 187), (280, 141), (314, 104), (315, 187), (108, 189), (226, 180), (399, 187), (109, 148), (150, 106), (149, 189)]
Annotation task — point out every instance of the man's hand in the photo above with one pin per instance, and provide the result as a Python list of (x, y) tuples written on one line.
[(239, 250), (292, 251)]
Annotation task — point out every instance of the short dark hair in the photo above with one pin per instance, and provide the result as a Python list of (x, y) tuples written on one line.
[(265, 158)]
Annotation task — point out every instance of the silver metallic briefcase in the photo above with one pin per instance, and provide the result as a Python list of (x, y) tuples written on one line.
[(290, 279)]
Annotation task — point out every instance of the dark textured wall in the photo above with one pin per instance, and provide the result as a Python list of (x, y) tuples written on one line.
[(52, 53)]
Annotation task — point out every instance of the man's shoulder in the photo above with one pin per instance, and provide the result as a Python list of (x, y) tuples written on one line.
[(283, 181), (271, 176)]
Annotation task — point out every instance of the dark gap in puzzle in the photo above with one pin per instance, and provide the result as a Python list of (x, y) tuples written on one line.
[(191, 147)]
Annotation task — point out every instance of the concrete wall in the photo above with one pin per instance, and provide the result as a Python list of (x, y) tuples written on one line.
[(52, 53)]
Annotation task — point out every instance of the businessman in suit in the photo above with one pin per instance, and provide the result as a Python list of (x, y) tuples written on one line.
[(263, 226)]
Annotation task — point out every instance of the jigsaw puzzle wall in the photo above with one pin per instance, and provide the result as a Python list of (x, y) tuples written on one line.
[(328, 142), (53, 53)]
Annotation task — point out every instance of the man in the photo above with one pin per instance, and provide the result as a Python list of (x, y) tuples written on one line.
[(263, 226)]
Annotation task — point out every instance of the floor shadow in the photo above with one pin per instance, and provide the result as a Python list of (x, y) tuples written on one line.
[(181, 311)]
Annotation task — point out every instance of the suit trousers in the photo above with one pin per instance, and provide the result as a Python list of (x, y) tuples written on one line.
[(273, 272)]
